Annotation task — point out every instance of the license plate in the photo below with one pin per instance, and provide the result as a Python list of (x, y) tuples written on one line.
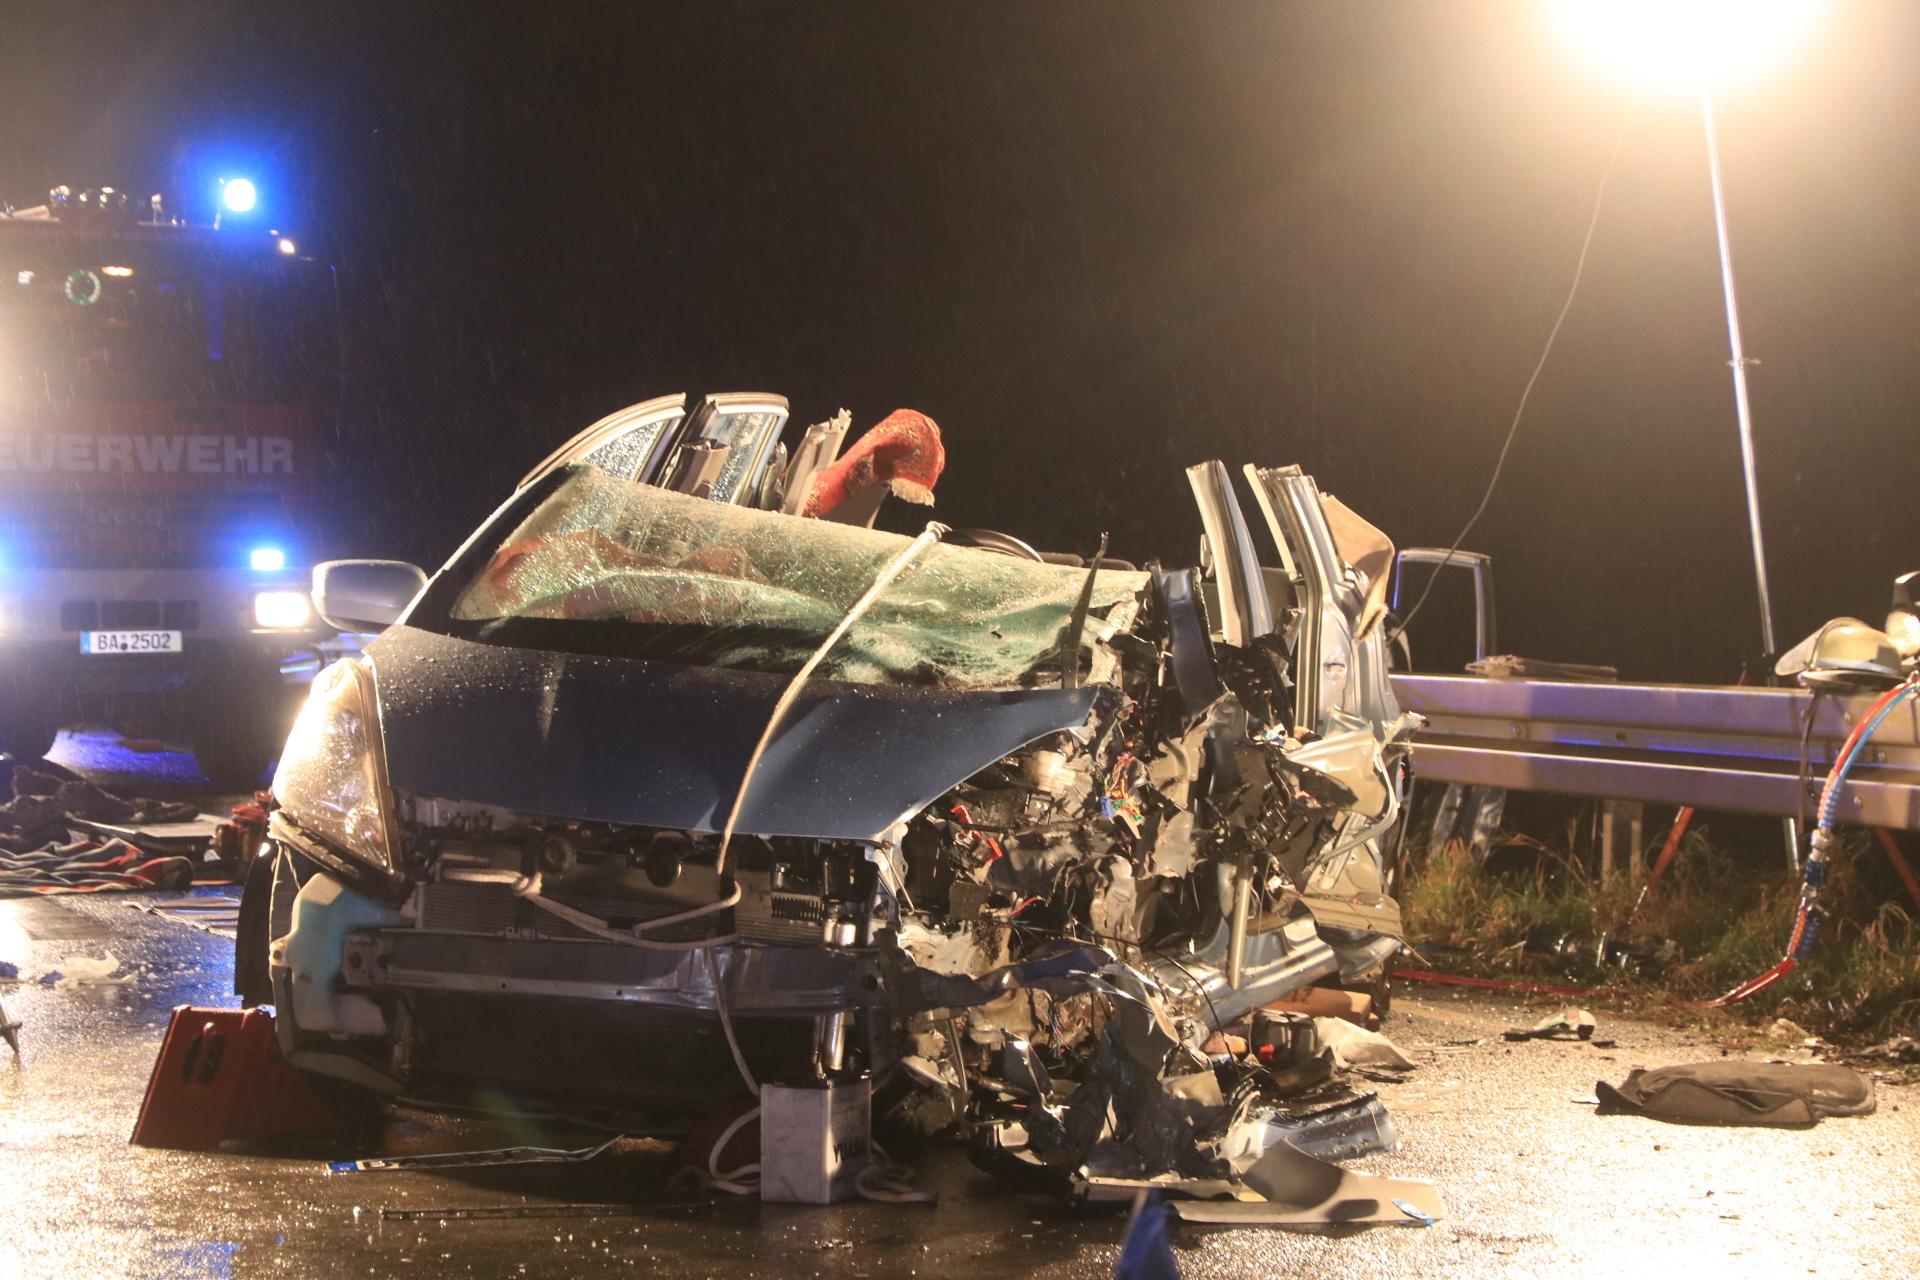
[(130, 642)]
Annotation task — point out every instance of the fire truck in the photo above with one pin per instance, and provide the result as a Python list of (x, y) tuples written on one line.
[(164, 389)]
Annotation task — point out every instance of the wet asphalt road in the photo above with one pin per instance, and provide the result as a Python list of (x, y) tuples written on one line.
[(1536, 1184)]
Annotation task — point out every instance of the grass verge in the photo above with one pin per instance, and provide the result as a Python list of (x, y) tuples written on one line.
[(1728, 919)]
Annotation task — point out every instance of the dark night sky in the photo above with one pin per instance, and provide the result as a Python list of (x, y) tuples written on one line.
[(1097, 241)]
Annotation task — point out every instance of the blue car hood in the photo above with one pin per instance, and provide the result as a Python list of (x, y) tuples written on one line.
[(659, 744)]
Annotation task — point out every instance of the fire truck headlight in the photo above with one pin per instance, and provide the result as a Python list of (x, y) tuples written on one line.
[(237, 194), (282, 610)]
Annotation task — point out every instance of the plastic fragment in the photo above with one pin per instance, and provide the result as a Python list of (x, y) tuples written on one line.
[(1357, 1047), (1568, 1024), (1420, 1216), (472, 1159)]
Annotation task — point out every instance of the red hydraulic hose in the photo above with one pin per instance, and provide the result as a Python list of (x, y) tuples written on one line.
[(1901, 866), (1496, 984), (1681, 821), (1755, 985)]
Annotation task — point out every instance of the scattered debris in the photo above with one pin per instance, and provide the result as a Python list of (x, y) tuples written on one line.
[(1736, 1092), (492, 1159), (218, 914), (89, 867), (43, 773), (190, 837), (1580, 954), (1788, 1031), (25, 780), (1340, 1132), (514, 1212), (1568, 1024), (1304, 1076), (129, 844), (1895, 1049), (238, 840), (1331, 1002), (9, 1031), (76, 971), (44, 809), (1358, 1047), (1289, 1046), (1287, 1187)]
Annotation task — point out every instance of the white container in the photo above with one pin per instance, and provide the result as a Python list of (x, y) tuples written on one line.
[(814, 1140)]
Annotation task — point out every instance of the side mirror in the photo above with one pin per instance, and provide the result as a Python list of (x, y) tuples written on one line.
[(365, 595)]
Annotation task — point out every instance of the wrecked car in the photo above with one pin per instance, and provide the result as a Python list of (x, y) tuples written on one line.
[(678, 778)]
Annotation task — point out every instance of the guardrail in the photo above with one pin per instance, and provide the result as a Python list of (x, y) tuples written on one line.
[(1710, 746)]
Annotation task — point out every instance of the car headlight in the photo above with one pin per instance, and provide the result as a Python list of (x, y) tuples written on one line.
[(282, 610), (332, 780)]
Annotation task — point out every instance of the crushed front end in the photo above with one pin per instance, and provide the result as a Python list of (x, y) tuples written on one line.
[(1019, 905)]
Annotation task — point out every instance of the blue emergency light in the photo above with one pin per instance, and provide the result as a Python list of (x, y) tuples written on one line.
[(267, 559), (238, 194)]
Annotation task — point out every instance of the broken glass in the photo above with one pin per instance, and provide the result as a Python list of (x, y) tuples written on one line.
[(688, 579)]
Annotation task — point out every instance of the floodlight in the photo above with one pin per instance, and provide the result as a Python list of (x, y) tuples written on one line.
[(1681, 45)]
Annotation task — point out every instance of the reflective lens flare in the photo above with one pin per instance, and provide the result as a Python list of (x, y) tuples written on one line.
[(282, 610), (267, 559), (286, 246), (238, 195), (1682, 45)]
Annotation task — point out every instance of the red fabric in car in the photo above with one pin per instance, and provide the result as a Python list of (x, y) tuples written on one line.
[(902, 452)]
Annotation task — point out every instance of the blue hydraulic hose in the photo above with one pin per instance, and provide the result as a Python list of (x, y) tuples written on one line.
[(1845, 763)]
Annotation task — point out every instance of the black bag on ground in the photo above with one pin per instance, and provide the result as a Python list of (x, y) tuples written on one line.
[(1782, 1094)]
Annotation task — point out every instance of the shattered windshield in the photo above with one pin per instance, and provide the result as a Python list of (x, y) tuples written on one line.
[(687, 579)]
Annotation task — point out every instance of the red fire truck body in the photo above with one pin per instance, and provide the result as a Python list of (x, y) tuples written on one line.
[(164, 390)]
